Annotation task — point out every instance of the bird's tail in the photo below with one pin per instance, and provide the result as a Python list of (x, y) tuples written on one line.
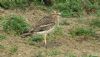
[(29, 33)]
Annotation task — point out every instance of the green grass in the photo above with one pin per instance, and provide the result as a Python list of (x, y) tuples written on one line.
[(76, 7), (95, 22), (68, 7), (82, 32), (2, 37), (14, 3), (16, 24), (35, 39)]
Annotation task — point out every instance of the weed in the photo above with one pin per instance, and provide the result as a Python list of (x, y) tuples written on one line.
[(82, 32), (95, 23), (2, 37), (16, 24)]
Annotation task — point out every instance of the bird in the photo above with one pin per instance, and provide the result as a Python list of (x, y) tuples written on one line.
[(45, 25)]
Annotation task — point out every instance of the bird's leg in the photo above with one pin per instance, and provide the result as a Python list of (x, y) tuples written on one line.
[(45, 40)]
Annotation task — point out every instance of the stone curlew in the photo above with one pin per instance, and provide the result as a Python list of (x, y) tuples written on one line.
[(45, 25)]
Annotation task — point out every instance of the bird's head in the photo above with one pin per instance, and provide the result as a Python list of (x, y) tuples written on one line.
[(55, 14)]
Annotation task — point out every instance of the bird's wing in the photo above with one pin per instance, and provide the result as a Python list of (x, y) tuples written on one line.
[(44, 27)]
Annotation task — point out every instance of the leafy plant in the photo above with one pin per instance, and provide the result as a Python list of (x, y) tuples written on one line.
[(15, 24)]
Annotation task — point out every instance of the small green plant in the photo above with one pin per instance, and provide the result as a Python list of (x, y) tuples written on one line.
[(82, 32), (15, 24), (2, 37), (95, 23), (36, 38), (13, 49)]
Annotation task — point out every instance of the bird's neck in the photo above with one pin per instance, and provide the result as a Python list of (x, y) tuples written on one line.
[(56, 19)]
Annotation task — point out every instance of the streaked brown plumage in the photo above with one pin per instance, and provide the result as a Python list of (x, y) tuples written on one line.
[(45, 25)]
